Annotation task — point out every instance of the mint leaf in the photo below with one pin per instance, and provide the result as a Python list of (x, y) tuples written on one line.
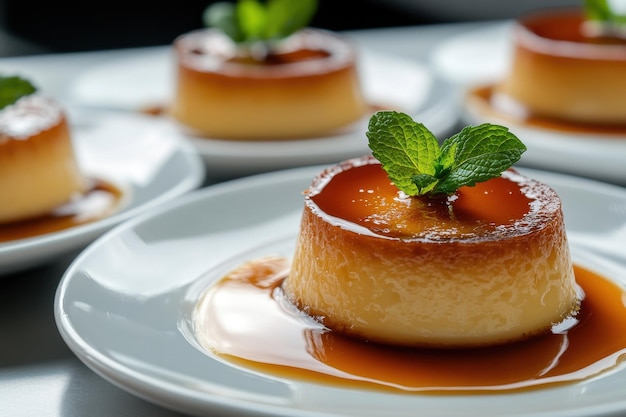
[(423, 182), (417, 165), (13, 88), (480, 153), (605, 18), (251, 21), (405, 149), (597, 9), (601, 10), (222, 15), (285, 17)]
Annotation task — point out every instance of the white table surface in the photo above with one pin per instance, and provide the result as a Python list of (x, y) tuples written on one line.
[(39, 375)]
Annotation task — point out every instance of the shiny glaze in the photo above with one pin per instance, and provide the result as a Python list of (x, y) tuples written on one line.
[(244, 318), (359, 194)]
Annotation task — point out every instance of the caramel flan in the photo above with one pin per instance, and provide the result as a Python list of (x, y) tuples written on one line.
[(561, 70), (486, 265), (307, 85), (38, 168)]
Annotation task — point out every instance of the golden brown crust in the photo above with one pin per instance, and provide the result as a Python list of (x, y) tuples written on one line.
[(445, 291)]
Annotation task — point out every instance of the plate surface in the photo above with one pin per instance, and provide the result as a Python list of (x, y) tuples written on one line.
[(482, 58), (125, 303), (150, 161), (147, 78)]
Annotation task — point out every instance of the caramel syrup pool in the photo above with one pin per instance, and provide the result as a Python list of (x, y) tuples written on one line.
[(100, 200), (245, 318)]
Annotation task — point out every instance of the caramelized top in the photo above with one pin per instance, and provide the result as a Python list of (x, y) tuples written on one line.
[(28, 116), (564, 33), (307, 52), (358, 195)]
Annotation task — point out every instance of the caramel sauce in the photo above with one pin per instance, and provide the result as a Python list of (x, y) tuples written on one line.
[(566, 26), (365, 196), (155, 110), (98, 202), (245, 319), (484, 94), (276, 58)]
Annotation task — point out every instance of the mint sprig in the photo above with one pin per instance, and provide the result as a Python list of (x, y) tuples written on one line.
[(12, 88), (601, 10), (417, 165), (250, 21), (604, 20)]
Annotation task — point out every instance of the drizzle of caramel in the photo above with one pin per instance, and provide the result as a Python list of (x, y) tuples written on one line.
[(244, 318), (282, 58), (99, 201)]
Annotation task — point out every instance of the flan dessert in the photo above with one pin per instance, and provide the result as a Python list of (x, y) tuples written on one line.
[(564, 71), (306, 86), (38, 168), (486, 265)]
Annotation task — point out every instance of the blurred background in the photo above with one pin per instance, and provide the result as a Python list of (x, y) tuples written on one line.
[(34, 26)]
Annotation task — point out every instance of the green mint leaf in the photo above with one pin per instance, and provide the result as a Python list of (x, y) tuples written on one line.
[(222, 16), (480, 153), (423, 182), (611, 21), (597, 10), (445, 161), (285, 17), (417, 165), (405, 149), (250, 21), (12, 88)]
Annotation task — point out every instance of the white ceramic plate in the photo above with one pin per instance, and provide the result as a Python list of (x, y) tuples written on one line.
[(125, 304), (482, 58), (147, 78), (148, 160)]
